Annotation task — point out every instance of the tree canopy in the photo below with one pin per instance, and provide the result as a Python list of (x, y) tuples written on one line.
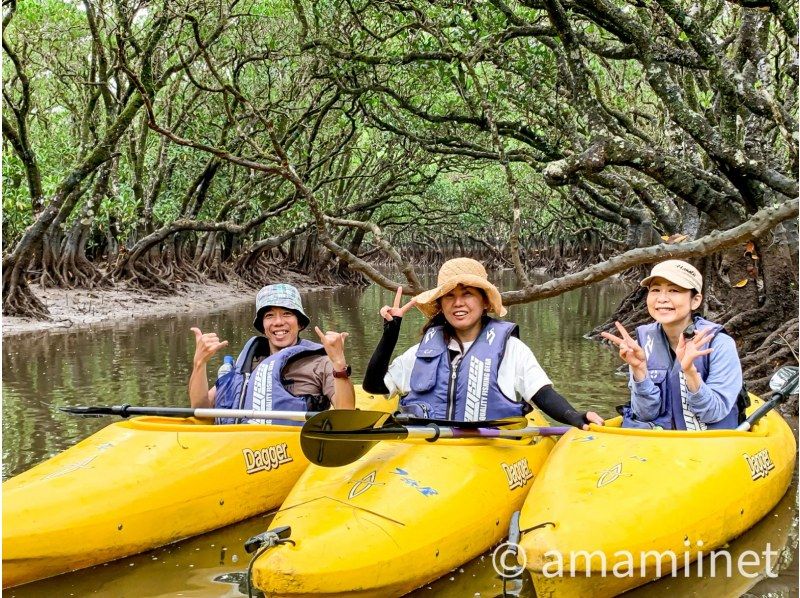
[(156, 142)]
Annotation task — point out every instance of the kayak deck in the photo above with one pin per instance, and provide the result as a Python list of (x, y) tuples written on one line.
[(637, 497), (142, 483), (402, 515)]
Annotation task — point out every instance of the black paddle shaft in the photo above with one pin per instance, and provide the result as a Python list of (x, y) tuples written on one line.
[(128, 411), (777, 397)]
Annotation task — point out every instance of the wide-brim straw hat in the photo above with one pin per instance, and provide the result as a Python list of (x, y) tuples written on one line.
[(462, 271)]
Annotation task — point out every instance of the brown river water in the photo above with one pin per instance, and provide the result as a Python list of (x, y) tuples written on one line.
[(149, 364)]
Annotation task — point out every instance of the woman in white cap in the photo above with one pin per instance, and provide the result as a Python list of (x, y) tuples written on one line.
[(684, 370), (277, 371), (469, 366)]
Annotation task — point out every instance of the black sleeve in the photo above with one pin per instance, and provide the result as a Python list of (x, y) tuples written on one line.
[(556, 407), (379, 362)]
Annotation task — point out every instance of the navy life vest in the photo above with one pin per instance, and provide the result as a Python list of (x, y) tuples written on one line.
[(471, 391), (664, 371), (263, 388)]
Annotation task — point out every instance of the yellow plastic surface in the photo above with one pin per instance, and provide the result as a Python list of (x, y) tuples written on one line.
[(142, 483), (620, 491), (404, 514)]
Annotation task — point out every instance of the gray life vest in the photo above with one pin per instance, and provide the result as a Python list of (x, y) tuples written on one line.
[(263, 389), (470, 392), (664, 371)]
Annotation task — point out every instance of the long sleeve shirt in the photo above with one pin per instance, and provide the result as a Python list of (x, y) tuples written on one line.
[(713, 400)]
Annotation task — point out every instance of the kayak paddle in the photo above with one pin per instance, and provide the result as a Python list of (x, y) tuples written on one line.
[(130, 410), (334, 438), (354, 419), (783, 383)]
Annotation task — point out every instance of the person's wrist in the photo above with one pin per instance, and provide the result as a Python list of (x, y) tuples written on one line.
[(342, 373), (574, 418), (639, 373)]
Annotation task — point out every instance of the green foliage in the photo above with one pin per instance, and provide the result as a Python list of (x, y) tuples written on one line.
[(384, 111)]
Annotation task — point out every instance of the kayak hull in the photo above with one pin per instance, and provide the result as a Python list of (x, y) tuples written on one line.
[(142, 483), (643, 502), (138, 484), (403, 515)]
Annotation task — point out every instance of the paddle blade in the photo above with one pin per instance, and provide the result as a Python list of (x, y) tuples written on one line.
[(330, 452), (88, 411)]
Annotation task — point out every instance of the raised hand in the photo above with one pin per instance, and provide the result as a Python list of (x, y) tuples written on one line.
[(690, 349), (390, 312), (206, 345), (333, 342), (629, 351)]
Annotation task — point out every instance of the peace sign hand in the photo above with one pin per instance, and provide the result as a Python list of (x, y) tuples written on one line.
[(629, 351), (688, 350), (389, 313)]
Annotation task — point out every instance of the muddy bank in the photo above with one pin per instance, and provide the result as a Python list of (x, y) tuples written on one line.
[(74, 309)]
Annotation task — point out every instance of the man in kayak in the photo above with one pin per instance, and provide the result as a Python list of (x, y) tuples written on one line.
[(469, 366), (684, 370), (276, 371)]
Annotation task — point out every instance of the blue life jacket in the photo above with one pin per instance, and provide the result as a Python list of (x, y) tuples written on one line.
[(470, 392), (664, 371), (263, 388)]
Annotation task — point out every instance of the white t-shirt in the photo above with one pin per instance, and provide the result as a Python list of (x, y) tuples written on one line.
[(520, 376)]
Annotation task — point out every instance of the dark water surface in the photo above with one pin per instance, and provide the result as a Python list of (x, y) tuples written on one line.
[(149, 364)]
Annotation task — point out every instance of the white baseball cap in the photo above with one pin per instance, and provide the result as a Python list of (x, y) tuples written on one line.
[(677, 272)]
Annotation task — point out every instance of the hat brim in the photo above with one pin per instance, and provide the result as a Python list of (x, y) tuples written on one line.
[(426, 301), (685, 282)]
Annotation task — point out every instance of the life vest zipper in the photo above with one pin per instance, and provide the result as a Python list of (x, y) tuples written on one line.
[(451, 391), (242, 396)]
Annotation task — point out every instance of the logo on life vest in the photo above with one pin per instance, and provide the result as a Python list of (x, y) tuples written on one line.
[(262, 388), (518, 473), (266, 459), (648, 346), (477, 388), (760, 464)]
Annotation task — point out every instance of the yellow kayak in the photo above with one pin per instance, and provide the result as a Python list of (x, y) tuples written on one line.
[(141, 483), (619, 503), (402, 515)]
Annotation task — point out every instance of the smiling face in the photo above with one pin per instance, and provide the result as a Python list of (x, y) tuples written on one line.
[(280, 327), (671, 305), (462, 308)]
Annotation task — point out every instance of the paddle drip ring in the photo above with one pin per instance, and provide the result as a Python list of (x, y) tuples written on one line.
[(438, 432)]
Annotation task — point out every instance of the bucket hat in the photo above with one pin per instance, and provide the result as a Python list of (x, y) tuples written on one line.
[(677, 272), (460, 271), (279, 295)]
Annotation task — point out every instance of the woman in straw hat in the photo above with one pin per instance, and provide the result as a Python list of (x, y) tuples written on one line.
[(684, 370), (468, 366)]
